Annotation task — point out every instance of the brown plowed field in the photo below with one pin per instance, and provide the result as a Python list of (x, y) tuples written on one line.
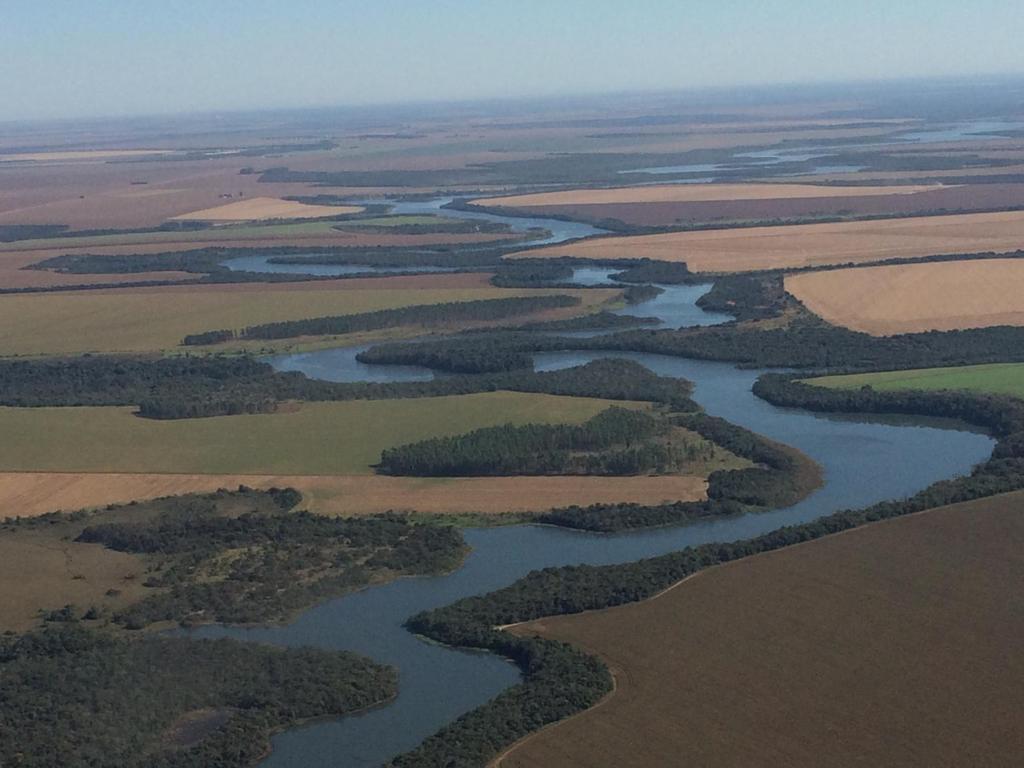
[(911, 298), (756, 248), (660, 213), (895, 644), (27, 494)]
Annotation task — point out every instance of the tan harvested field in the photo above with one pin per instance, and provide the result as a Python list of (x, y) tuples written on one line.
[(151, 319), (688, 193), (817, 204), (27, 494), (86, 154), (912, 298), (805, 245), (259, 208), (142, 193), (312, 233), (62, 573), (894, 644)]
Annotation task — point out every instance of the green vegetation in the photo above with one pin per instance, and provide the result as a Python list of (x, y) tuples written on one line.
[(747, 297), (310, 439), (124, 321), (1003, 379), (425, 315), (189, 387), (617, 441), (803, 342), (77, 698)]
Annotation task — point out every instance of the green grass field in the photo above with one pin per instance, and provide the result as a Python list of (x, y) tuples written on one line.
[(143, 320), (314, 439), (1001, 378)]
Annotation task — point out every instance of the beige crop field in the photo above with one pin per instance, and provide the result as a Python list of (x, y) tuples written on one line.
[(258, 208), (685, 193), (27, 494), (803, 245), (897, 643), (151, 319), (912, 298)]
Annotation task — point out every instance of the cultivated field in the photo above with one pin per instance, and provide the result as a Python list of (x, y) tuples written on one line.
[(1001, 378), (688, 193), (146, 319), (335, 438), (798, 202), (757, 248), (27, 494), (912, 298), (252, 235), (893, 644), (259, 208)]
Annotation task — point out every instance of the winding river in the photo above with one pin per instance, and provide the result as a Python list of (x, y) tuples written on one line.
[(864, 461)]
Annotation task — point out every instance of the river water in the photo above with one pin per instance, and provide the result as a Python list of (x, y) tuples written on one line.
[(864, 461)]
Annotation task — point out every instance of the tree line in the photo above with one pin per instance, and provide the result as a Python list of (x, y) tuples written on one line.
[(188, 387), (806, 342), (427, 315), (618, 441)]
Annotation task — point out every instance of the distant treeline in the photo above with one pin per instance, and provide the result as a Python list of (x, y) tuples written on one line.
[(805, 342), (532, 273), (472, 622), (427, 315), (189, 387), (618, 441), (79, 698), (441, 226), (13, 232)]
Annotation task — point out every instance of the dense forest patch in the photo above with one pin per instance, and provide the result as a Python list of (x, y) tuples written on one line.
[(617, 441), (83, 699)]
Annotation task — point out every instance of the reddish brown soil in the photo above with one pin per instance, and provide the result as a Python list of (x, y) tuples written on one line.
[(895, 644)]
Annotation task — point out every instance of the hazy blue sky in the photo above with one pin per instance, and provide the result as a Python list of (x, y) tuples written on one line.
[(95, 57)]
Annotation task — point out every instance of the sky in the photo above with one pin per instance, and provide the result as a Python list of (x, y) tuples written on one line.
[(79, 58)]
